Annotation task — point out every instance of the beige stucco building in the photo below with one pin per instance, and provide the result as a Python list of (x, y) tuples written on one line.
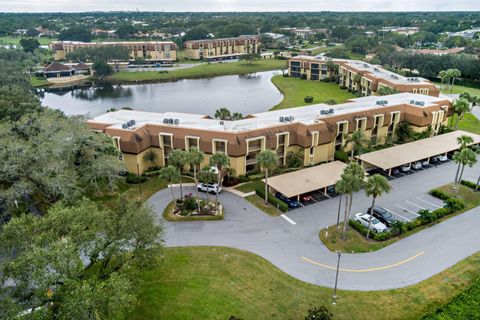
[(315, 131), (221, 49), (154, 51)]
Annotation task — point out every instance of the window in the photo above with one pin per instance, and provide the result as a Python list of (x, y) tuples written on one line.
[(219, 145), (191, 142), (361, 124)]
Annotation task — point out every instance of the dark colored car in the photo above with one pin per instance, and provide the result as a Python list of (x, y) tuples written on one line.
[(291, 203), (383, 215)]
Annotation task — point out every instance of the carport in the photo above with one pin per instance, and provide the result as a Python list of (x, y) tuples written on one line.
[(389, 158), (294, 184)]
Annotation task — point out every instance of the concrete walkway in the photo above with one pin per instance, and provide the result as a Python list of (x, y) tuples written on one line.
[(297, 250)]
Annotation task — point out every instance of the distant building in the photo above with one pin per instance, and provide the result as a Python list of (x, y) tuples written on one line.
[(221, 49), (359, 76), (57, 70), (306, 32), (401, 30), (440, 52), (151, 51), (467, 34)]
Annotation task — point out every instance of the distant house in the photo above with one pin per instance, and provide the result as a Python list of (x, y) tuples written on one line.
[(57, 70), (401, 30), (467, 34), (439, 52), (82, 68)]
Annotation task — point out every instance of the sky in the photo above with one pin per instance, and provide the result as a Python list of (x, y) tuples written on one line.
[(236, 5)]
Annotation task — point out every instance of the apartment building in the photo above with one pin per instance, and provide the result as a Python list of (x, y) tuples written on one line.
[(152, 51), (358, 76), (221, 49), (316, 131)]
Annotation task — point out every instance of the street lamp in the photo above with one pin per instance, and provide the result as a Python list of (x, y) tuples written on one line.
[(339, 254)]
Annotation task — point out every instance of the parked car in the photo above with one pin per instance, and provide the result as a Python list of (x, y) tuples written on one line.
[(291, 203), (440, 158), (376, 225), (395, 171), (425, 162), (211, 188), (417, 165), (306, 197), (406, 167), (383, 215)]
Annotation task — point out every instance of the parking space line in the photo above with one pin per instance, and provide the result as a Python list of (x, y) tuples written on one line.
[(406, 210), (284, 216), (437, 206), (415, 205), (393, 212)]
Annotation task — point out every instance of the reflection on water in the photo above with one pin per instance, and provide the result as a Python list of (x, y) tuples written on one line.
[(241, 93)]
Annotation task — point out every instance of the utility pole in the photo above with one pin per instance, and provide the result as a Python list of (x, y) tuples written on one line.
[(339, 254)]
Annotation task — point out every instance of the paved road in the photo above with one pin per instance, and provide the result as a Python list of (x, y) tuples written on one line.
[(297, 250)]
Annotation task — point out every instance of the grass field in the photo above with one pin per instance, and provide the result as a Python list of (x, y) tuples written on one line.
[(16, 40), (250, 186), (469, 123), (217, 282), (295, 90), (460, 89), (36, 82), (260, 204), (202, 71)]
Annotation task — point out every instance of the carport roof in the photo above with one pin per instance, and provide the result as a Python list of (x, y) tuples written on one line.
[(414, 151), (307, 180)]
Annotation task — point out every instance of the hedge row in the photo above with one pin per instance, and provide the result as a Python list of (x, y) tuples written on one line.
[(451, 205), (469, 184), (272, 200)]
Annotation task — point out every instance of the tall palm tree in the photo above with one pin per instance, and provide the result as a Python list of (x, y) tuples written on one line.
[(171, 175), (463, 157), (340, 188), (464, 141), (195, 158), (353, 175), (220, 161), (375, 186), (223, 114), (267, 160), (454, 74), (179, 159), (461, 106), (358, 140)]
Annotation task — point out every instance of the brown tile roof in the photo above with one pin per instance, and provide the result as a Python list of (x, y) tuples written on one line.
[(82, 66), (55, 66)]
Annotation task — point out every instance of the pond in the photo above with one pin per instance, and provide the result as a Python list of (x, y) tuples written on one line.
[(239, 93)]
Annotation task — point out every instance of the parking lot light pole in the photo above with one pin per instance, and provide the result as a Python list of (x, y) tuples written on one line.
[(339, 254)]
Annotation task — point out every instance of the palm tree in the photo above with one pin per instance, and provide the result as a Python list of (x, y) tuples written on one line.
[(195, 159), (220, 161), (171, 175), (223, 114), (340, 188), (179, 159), (461, 106), (464, 157), (353, 176), (375, 186), (454, 73), (150, 156), (206, 175), (358, 140), (267, 160), (464, 141)]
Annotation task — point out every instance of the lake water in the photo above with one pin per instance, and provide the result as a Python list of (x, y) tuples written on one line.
[(240, 93)]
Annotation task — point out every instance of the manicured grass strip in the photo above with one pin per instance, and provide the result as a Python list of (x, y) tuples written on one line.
[(469, 123), (217, 282), (202, 71), (16, 40), (459, 89), (250, 186), (260, 204), (36, 82), (355, 242), (169, 216), (295, 90)]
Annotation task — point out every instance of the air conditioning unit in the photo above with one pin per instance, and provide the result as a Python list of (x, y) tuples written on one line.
[(222, 123), (176, 122), (165, 121), (124, 126), (281, 119)]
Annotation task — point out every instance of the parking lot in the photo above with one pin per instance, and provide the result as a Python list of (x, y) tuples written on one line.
[(407, 210)]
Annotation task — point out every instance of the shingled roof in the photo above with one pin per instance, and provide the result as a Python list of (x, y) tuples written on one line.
[(56, 67)]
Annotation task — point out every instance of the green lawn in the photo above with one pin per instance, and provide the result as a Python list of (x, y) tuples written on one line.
[(36, 82), (260, 204), (295, 90), (202, 71), (216, 283), (460, 89), (16, 40), (250, 186), (469, 123)]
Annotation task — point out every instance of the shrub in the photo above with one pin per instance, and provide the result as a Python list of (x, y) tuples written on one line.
[(303, 76), (272, 200), (426, 216), (454, 204), (439, 194), (341, 155), (320, 313), (442, 212), (398, 228), (381, 236), (308, 99), (363, 230), (294, 159), (189, 203), (134, 179), (469, 184)]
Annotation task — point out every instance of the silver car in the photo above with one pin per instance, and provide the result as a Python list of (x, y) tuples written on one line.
[(376, 225)]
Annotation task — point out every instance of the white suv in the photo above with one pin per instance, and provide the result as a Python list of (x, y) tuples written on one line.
[(207, 187), (376, 225)]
